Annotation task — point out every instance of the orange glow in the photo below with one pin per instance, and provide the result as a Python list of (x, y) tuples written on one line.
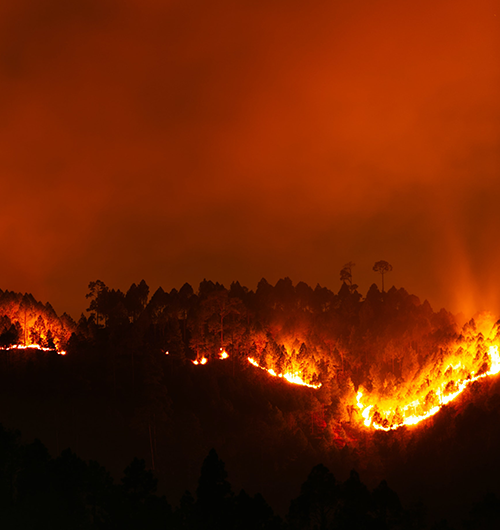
[(369, 84), (419, 395), (202, 361), (32, 347), (293, 378), (222, 355), (475, 356)]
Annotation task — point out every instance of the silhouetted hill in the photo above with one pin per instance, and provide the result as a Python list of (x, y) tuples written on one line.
[(128, 386)]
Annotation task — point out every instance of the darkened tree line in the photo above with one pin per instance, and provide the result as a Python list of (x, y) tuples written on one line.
[(117, 393), (38, 491), (315, 331), (341, 340)]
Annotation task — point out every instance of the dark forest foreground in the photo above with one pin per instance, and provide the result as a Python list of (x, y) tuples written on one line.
[(118, 394)]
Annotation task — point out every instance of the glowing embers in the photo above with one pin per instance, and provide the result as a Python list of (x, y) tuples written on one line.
[(291, 377), (203, 360), (389, 414), (32, 347), (294, 378), (222, 355)]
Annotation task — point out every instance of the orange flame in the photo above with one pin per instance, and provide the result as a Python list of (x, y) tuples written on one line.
[(475, 356), (222, 355), (390, 414), (31, 347), (203, 360), (293, 378)]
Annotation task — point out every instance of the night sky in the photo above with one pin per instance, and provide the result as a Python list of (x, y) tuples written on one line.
[(235, 140)]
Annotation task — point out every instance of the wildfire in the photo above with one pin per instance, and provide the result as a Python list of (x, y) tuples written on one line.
[(203, 360), (411, 400), (222, 355), (294, 378), (390, 414), (31, 347)]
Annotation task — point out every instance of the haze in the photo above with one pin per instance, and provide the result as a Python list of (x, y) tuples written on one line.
[(180, 140)]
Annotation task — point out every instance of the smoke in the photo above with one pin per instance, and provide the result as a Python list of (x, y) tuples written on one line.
[(176, 141)]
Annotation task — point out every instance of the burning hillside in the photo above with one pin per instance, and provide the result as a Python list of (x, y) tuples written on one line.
[(387, 360), (275, 378), (26, 324), (473, 357), (408, 375)]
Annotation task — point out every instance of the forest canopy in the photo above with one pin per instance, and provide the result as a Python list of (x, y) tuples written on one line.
[(166, 375)]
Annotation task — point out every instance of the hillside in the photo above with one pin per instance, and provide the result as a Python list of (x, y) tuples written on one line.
[(129, 386)]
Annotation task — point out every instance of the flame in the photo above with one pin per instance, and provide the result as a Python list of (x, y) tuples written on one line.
[(31, 347), (495, 361), (390, 414), (474, 356), (203, 360), (293, 378), (222, 355)]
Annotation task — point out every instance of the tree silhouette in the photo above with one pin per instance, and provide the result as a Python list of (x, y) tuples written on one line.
[(354, 512), (315, 507), (386, 507), (97, 293), (136, 299), (10, 333), (214, 494), (253, 512), (383, 267), (346, 275)]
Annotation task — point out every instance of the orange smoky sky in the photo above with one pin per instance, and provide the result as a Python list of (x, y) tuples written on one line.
[(235, 140)]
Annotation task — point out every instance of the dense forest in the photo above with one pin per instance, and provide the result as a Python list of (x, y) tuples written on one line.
[(166, 377)]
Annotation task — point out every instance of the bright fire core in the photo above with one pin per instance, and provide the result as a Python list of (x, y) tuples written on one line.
[(423, 390), (414, 401)]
